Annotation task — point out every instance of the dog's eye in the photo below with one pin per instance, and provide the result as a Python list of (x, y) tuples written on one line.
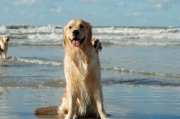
[(81, 26), (70, 27)]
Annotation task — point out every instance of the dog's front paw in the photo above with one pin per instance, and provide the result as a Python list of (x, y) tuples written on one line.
[(69, 116), (104, 117)]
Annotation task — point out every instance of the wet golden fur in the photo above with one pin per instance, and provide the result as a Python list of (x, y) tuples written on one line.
[(83, 94)]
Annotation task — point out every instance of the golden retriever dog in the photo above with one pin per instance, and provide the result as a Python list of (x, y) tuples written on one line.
[(83, 94), (3, 46)]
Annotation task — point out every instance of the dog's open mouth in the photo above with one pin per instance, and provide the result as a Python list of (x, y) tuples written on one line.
[(77, 42)]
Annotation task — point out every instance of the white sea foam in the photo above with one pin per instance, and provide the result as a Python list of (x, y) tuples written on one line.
[(107, 35), (3, 29), (48, 37), (141, 72), (39, 62)]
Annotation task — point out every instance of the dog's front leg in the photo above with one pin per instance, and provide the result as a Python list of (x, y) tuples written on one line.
[(71, 105), (99, 103)]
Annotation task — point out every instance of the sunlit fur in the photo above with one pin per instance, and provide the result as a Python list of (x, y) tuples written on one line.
[(83, 94)]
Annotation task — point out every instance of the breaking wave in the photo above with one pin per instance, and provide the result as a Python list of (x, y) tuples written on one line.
[(141, 72), (52, 35), (36, 61), (140, 82)]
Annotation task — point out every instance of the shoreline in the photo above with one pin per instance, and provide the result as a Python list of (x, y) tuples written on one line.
[(125, 102)]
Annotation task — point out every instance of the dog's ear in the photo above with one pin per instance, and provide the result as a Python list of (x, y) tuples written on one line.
[(89, 31), (64, 35)]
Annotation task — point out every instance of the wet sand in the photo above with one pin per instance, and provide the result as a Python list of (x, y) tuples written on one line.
[(121, 102)]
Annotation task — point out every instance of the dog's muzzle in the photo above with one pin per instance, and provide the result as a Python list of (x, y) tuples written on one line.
[(76, 41)]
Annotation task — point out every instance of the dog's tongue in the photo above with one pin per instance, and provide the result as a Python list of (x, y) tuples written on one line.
[(76, 43)]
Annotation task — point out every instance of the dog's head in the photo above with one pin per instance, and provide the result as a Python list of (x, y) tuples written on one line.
[(5, 39), (77, 33)]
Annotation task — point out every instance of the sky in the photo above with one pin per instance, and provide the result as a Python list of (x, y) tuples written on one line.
[(144, 13)]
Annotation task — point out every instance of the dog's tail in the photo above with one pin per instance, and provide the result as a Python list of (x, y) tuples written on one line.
[(52, 110)]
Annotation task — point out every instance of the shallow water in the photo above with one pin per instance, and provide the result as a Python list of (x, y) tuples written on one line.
[(27, 67), (124, 102), (130, 56), (38, 66)]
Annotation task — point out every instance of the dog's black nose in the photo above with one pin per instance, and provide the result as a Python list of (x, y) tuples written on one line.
[(75, 32)]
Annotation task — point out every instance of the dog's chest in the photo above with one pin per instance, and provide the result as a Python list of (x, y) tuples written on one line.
[(79, 66)]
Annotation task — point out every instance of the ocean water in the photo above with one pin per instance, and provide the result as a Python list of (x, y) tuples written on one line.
[(130, 56)]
